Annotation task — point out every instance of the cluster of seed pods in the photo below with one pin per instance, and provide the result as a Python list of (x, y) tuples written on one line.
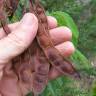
[(33, 66)]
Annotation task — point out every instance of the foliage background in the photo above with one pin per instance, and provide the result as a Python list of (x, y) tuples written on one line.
[(83, 13)]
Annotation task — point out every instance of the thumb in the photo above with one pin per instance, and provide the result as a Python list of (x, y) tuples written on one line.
[(18, 40)]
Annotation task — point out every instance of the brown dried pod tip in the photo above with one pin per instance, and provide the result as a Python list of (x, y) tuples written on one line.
[(33, 66), (10, 6)]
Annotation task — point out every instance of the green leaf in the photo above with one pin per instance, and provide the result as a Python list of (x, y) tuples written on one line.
[(65, 19), (80, 60), (82, 64)]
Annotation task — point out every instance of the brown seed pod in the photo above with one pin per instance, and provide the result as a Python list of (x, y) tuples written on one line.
[(3, 17), (10, 6)]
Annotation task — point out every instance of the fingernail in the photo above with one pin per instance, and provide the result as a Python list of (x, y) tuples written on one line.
[(28, 19)]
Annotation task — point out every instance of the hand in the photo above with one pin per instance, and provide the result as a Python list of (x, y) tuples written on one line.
[(22, 35)]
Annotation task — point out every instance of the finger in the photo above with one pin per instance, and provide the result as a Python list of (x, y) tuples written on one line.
[(51, 21), (17, 41), (54, 73), (60, 35), (66, 48)]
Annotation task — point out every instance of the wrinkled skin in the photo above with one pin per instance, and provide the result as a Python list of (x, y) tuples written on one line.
[(30, 71)]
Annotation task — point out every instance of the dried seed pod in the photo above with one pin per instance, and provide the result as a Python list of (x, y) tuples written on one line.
[(40, 78), (10, 6), (45, 42), (3, 18)]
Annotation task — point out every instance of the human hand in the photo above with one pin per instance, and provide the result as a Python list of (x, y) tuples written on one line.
[(22, 35)]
